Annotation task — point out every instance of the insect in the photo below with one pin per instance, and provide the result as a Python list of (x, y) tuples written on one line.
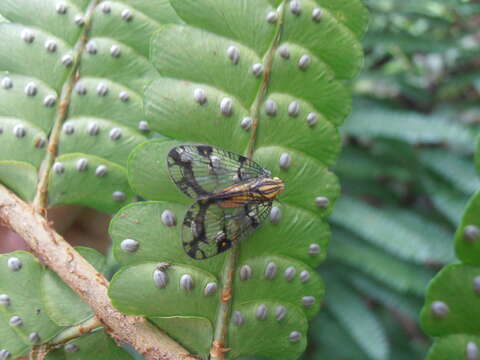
[(233, 196), (163, 266)]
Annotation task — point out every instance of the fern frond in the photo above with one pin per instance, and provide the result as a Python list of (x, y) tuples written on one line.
[(446, 200), (459, 171), (374, 121), (362, 324), (390, 298), (391, 271), (395, 231), (333, 340)]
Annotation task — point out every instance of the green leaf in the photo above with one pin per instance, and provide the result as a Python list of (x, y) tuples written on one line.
[(450, 305), (352, 14), (133, 288), (333, 340), (391, 271), (62, 304), (458, 171), (397, 232), (87, 61), (358, 164), (361, 322), (477, 158), (194, 333), (407, 42), (445, 199), (93, 346), (249, 337), (410, 127), (20, 177), (450, 311), (454, 347), (389, 298), (281, 287), (293, 122), (24, 320), (467, 246), (44, 304)]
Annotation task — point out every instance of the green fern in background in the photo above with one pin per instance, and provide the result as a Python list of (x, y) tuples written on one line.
[(406, 172)]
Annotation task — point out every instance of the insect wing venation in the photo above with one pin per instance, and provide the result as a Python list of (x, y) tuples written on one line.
[(225, 210), (209, 229), (201, 170)]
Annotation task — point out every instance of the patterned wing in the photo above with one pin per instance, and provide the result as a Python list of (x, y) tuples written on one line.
[(209, 229), (200, 170)]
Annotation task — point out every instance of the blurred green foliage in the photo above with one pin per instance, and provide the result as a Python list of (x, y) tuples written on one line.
[(407, 172)]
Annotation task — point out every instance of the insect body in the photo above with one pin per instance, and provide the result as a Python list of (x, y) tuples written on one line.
[(233, 196), (252, 191), (163, 266)]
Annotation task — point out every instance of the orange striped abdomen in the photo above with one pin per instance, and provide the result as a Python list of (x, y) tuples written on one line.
[(258, 190)]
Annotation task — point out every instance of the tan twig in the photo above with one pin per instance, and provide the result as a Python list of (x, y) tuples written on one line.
[(41, 195), (88, 283), (38, 352), (262, 91), (218, 350)]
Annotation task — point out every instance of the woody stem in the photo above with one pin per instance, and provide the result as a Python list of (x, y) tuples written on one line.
[(223, 316), (220, 336), (41, 195), (262, 91)]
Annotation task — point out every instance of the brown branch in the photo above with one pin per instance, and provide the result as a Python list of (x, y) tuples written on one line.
[(218, 350), (89, 284), (38, 353)]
